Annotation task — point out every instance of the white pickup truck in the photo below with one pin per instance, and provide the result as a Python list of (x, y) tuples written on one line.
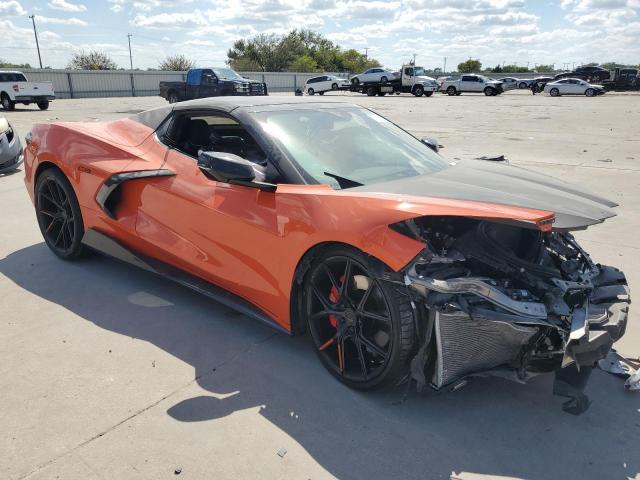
[(472, 83), (14, 88)]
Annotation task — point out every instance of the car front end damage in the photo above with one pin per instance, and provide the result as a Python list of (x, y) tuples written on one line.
[(511, 300)]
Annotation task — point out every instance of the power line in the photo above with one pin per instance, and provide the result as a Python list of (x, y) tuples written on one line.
[(35, 32)]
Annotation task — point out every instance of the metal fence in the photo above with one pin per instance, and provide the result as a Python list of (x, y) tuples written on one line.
[(123, 83)]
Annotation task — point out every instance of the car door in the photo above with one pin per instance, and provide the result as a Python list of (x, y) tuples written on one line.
[(214, 230), (468, 83), (209, 84), (324, 84)]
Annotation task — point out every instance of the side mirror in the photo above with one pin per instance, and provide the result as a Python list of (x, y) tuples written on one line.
[(230, 168), (432, 143)]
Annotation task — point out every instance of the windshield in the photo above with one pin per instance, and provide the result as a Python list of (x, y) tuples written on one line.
[(419, 72), (348, 142), (226, 74)]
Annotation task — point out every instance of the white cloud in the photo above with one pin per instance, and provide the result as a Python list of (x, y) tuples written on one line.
[(66, 6), (11, 7), (62, 21)]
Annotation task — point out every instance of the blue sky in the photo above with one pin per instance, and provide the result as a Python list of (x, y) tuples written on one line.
[(495, 31)]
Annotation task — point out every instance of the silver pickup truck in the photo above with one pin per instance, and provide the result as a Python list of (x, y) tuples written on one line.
[(472, 83)]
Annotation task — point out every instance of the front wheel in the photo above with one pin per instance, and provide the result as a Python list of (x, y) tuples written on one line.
[(7, 103), (363, 329), (489, 91), (522, 85), (590, 92), (418, 90), (554, 92), (58, 213), (355, 81), (334, 86), (43, 105)]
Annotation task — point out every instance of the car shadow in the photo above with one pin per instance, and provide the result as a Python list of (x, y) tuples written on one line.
[(490, 427)]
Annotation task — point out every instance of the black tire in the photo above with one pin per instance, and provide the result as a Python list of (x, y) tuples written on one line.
[(554, 92), (371, 92), (418, 90), (451, 91), (7, 103), (173, 97), (522, 85), (58, 213), (43, 105), (311, 91), (320, 93), (382, 94), (489, 91), (428, 94), (458, 94), (355, 81), (334, 86), (590, 92), (383, 79), (367, 340)]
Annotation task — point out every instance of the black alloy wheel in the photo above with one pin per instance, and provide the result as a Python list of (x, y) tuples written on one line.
[(451, 91), (311, 91), (58, 213), (362, 329), (334, 86)]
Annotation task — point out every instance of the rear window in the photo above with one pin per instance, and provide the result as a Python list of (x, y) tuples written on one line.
[(12, 77)]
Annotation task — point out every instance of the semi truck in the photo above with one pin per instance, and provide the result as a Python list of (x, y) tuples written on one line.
[(412, 79)]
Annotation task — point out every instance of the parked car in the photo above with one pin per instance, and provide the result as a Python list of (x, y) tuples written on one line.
[(10, 147), (509, 83), (252, 201), (562, 75), (541, 82), (441, 80), (324, 83), (573, 86), (15, 88), (472, 83), (211, 82), (377, 74), (593, 74)]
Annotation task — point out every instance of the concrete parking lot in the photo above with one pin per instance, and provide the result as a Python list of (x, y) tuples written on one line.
[(109, 372)]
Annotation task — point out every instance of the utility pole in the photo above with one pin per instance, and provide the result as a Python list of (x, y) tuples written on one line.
[(35, 32), (366, 53), (445, 65), (130, 56)]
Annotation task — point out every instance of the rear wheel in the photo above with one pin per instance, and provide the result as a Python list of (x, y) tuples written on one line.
[(44, 105), (522, 85), (334, 86), (7, 103), (418, 90), (311, 91), (363, 330), (173, 97), (371, 92), (554, 92), (428, 94), (58, 213), (451, 91)]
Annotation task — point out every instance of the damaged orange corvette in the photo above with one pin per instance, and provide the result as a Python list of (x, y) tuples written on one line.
[(327, 218)]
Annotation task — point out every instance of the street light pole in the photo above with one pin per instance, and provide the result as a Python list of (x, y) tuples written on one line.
[(35, 32), (130, 56)]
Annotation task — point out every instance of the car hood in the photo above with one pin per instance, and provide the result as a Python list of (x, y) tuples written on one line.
[(499, 183)]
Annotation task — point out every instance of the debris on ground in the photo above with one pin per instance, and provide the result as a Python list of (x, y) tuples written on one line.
[(498, 158), (178, 470), (282, 452), (628, 368)]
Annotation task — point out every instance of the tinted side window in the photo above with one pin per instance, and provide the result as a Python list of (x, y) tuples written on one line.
[(468, 78)]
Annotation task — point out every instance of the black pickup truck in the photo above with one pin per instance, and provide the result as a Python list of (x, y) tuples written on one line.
[(210, 82)]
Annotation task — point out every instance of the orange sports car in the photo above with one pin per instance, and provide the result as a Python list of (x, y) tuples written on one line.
[(328, 218)]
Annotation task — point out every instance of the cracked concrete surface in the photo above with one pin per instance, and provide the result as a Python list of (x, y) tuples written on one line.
[(109, 372)]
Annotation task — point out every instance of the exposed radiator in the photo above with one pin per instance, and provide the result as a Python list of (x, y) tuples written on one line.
[(466, 345)]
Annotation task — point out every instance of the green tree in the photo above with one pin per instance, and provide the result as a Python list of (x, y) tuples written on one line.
[(298, 50), (176, 63), (303, 63), (94, 60), (496, 69), (470, 66), (514, 69), (5, 64), (545, 68)]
